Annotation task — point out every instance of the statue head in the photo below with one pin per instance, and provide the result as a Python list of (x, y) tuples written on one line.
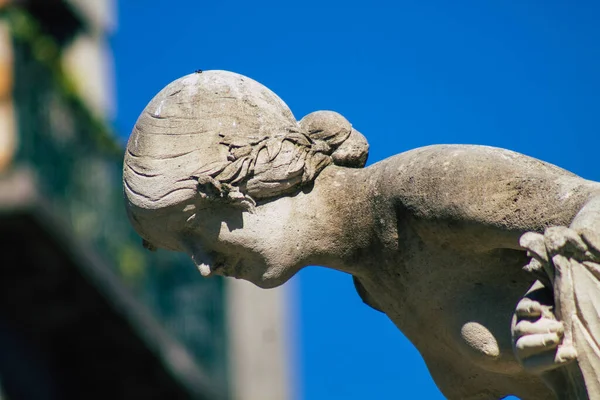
[(217, 140)]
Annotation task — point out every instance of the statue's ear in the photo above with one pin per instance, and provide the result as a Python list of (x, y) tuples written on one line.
[(364, 295)]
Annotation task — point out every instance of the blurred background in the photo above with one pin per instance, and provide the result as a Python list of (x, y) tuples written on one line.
[(87, 312)]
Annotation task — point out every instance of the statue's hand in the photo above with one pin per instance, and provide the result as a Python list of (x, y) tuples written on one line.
[(566, 261), (567, 264), (536, 332)]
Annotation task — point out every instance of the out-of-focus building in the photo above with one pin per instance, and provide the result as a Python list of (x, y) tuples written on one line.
[(85, 311)]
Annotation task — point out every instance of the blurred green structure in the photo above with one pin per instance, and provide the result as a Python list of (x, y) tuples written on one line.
[(85, 311)]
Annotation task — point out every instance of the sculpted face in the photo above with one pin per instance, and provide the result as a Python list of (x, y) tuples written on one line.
[(225, 241)]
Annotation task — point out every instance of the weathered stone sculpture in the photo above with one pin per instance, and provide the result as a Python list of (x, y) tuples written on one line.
[(487, 260)]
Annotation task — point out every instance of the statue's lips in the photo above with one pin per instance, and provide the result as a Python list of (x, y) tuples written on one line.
[(219, 269), (228, 269)]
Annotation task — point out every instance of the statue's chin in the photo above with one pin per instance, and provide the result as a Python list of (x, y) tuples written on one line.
[(257, 270), (269, 279), (267, 283)]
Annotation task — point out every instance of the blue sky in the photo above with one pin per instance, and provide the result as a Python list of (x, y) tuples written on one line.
[(522, 75)]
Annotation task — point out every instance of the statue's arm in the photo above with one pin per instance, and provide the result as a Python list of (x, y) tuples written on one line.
[(484, 198), (480, 198)]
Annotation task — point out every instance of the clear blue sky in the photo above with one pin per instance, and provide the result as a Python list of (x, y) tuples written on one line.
[(522, 75)]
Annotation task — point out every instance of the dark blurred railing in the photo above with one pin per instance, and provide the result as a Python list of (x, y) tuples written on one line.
[(77, 163)]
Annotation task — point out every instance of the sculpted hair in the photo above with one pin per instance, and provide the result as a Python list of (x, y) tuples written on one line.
[(219, 136), (277, 164)]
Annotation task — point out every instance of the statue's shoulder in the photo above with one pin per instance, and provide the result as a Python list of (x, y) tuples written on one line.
[(475, 159), (467, 169), (485, 185)]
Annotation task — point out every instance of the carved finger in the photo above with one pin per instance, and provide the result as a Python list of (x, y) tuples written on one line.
[(542, 326), (543, 362), (535, 245), (528, 308), (561, 262), (565, 353), (538, 265), (542, 271), (529, 345)]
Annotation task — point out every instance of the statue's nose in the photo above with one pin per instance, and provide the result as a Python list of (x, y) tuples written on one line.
[(201, 259), (204, 269)]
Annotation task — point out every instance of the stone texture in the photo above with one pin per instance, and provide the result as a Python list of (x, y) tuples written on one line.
[(218, 167)]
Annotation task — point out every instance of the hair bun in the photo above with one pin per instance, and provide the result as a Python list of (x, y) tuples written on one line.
[(353, 152), (328, 126), (347, 146)]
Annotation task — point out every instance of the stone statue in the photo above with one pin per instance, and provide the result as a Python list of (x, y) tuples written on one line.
[(487, 260)]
